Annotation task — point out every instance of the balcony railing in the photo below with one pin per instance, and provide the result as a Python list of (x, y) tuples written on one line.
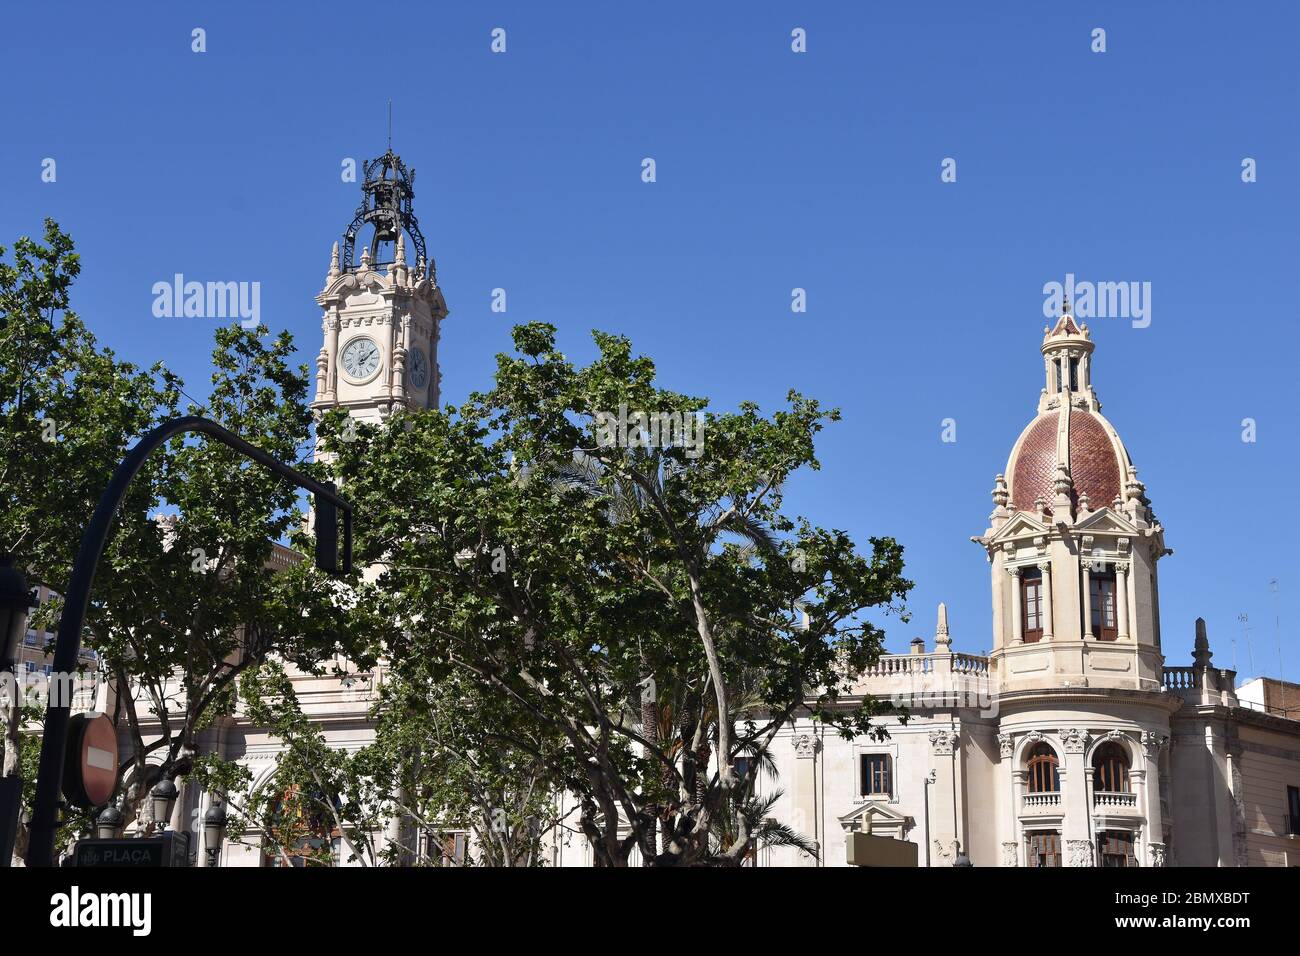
[(1042, 802), (1109, 800), (970, 664), (894, 665)]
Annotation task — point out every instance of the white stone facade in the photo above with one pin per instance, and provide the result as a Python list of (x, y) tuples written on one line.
[(1070, 744)]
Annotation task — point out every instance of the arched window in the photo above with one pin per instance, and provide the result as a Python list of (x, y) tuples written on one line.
[(1044, 774), (1110, 769)]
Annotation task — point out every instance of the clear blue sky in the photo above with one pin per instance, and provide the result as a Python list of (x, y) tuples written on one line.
[(775, 170)]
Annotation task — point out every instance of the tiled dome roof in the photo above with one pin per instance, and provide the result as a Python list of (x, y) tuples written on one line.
[(1094, 460)]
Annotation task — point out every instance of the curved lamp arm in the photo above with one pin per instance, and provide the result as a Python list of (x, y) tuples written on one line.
[(45, 810)]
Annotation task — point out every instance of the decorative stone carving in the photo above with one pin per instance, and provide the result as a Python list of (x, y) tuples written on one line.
[(1074, 740), (945, 852), (805, 745), (944, 741), (1006, 746), (1000, 495), (1010, 854), (1153, 743), (1079, 853), (1156, 854)]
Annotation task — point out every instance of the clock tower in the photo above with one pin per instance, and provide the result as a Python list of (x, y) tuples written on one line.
[(382, 314)]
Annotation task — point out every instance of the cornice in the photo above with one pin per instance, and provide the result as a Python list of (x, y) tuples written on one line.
[(1159, 700)]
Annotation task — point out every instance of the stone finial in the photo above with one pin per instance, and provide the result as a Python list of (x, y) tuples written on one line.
[(334, 263), (399, 258), (1133, 488), (1000, 493), (1085, 506), (942, 641), (1201, 653), (1063, 483), (365, 258)]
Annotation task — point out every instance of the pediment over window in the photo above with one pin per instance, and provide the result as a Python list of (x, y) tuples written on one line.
[(1105, 520), (1019, 524), (885, 821)]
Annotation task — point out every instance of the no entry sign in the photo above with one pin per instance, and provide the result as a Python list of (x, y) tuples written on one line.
[(90, 770)]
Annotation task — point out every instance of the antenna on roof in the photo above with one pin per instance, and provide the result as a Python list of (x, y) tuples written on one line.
[(390, 124), (1245, 635), (1277, 626)]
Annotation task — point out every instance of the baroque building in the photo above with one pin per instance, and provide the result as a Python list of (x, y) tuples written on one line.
[(1071, 743)]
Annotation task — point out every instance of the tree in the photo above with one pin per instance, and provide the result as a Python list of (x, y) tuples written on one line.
[(444, 761), (184, 600), (69, 411), (541, 596), (186, 597)]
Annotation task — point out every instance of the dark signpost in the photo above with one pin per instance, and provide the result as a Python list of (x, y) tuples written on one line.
[(167, 849), (52, 773)]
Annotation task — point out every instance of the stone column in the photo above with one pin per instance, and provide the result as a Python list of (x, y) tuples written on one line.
[(805, 794), (1152, 744), (1018, 778), (1046, 568), (1074, 798), (1017, 629), (1011, 793), (1121, 601), (1219, 773), (943, 812), (1087, 600), (332, 356), (999, 624)]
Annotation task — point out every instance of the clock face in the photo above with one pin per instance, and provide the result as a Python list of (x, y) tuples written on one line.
[(361, 358), (419, 369)]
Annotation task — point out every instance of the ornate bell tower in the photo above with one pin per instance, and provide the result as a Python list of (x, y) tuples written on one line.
[(1072, 542), (382, 315)]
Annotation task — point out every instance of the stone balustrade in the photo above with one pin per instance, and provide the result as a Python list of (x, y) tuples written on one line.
[(1042, 802), (917, 679), (1107, 800)]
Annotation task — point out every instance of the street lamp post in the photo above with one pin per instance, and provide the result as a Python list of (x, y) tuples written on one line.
[(108, 825), (328, 502), (15, 601), (161, 800), (214, 832)]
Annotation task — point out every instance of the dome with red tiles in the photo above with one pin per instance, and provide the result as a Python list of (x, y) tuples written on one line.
[(1094, 455)]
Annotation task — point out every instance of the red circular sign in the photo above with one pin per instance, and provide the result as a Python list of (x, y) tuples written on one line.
[(92, 761)]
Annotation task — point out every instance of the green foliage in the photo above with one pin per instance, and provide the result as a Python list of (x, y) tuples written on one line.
[(186, 596), (504, 566)]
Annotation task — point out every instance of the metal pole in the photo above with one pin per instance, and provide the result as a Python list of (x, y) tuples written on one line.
[(45, 811)]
